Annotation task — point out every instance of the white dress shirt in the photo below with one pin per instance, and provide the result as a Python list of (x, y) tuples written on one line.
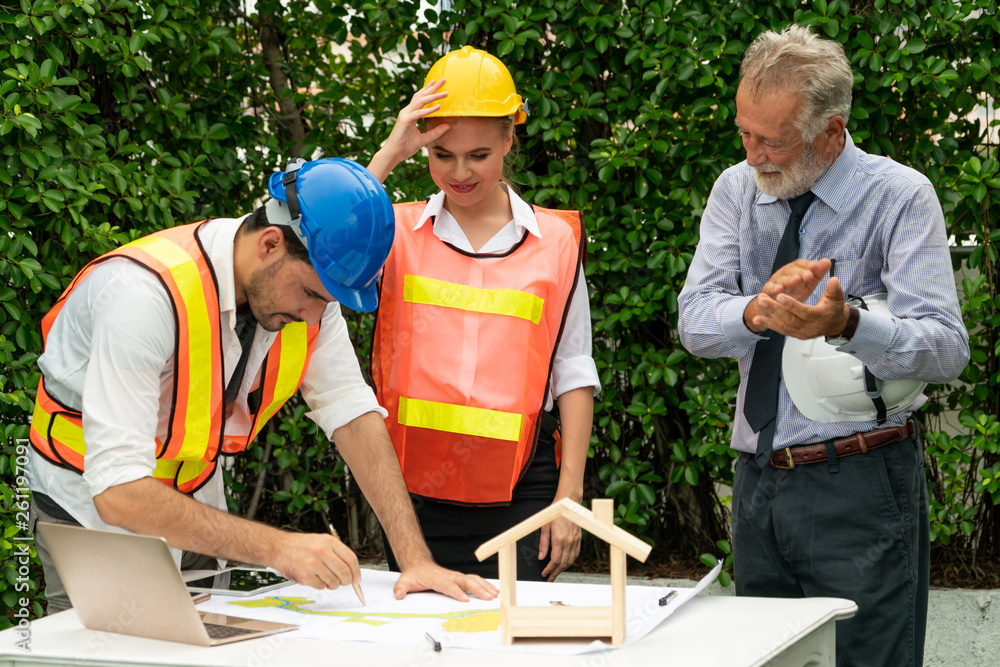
[(110, 353), (574, 365)]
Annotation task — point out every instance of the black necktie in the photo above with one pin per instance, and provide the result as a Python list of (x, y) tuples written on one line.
[(760, 402), (246, 327)]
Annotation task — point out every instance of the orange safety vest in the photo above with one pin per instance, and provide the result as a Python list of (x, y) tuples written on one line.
[(188, 452), (462, 353)]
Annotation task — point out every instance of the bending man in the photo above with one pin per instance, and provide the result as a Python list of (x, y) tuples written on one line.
[(177, 348)]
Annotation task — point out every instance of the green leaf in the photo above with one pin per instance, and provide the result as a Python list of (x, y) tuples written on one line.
[(28, 243), (616, 488), (641, 187), (47, 68), (49, 281), (646, 494), (218, 132), (10, 598), (979, 192), (614, 430), (690, 475)]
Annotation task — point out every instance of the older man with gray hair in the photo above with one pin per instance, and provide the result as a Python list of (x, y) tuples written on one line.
[(830, 497)]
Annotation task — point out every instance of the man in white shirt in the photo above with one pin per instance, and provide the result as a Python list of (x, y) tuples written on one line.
[(112, 354)]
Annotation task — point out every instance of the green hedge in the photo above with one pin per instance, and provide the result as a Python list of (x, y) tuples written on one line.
[(122, 117)]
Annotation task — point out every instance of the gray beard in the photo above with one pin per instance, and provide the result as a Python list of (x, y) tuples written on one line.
[(795, 179)]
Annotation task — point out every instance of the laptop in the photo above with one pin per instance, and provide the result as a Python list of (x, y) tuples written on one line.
[(129, 584)]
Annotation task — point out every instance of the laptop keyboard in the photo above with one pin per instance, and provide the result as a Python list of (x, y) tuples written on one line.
[(216, 631)]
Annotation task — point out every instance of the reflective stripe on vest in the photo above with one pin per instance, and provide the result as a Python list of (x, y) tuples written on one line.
[(462, 352), (187, 453), (460, 419), (418, 289)]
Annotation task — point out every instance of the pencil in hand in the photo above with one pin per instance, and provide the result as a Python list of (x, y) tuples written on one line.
[(356, 585)]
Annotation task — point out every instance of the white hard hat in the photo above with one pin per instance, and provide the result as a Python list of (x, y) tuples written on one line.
[(831, 386)]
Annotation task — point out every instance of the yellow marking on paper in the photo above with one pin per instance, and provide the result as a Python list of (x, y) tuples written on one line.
[(483, 620)]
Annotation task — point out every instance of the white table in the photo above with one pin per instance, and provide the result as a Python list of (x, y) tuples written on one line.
[(707, 631)]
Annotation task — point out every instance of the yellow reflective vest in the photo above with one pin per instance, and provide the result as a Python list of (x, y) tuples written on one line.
[(463, 349), (186, 457)]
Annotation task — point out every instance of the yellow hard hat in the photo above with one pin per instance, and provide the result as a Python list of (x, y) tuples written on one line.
[(478, 85)]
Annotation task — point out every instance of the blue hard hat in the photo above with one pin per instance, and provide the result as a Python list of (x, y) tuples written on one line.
[(343, 216)]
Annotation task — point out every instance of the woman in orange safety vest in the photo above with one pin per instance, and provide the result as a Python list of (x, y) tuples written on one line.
[(483, 327)]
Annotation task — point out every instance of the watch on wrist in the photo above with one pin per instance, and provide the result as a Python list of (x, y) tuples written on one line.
[(844, 337)]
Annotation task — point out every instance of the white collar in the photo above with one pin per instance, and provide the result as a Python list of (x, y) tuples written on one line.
[(524, 215), (218, 238)]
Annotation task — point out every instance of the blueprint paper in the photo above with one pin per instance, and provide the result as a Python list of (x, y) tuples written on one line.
[(338, 615)]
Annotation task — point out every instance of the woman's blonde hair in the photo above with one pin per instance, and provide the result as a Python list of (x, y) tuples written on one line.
[(510, 160)]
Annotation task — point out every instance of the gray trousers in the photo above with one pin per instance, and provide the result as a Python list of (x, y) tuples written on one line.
[(855, 527), (55, 591)]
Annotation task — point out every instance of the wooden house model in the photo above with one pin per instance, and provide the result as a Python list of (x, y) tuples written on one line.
[(565, 621)]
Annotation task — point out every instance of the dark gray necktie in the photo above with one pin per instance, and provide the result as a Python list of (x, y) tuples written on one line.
[(760, 402), (246, 327)]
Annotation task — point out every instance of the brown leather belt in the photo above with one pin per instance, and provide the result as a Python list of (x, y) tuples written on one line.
[(859, 443)]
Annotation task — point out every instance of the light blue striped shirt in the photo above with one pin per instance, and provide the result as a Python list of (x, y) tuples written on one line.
[(882, 224)]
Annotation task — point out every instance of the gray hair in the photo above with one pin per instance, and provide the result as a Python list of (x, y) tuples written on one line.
[(797, 61)]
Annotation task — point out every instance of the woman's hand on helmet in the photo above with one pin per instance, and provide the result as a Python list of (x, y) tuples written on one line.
[(406, 139)]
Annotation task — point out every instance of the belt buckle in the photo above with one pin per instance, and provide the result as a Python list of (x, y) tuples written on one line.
[(786, 466)]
